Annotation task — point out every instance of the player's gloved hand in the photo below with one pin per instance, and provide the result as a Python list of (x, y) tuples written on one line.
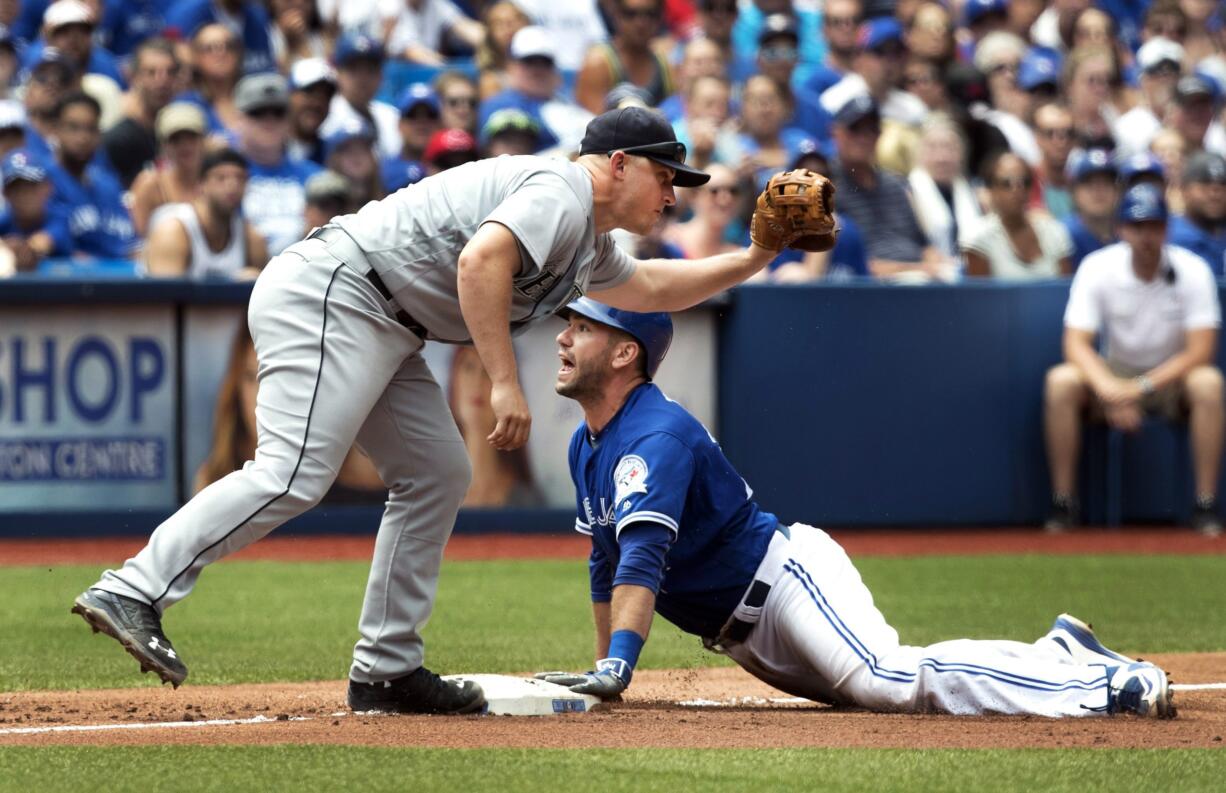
[(608, 681), (796, 210)]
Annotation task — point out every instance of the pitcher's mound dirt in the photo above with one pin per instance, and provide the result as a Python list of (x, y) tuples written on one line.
[(649, 717)]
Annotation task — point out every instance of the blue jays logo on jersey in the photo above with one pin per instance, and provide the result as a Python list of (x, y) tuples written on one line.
[(629, 477)]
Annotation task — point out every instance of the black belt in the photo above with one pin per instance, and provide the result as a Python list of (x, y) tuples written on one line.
[(738, 629), (326, 233)]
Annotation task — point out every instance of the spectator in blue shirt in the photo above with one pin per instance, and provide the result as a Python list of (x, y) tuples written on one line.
[(249, 19), (419, 120), (27, 228), (216, 68), (752, 18), (1092, 175), (840, 25), (68, 26), (532, 80), (1202, 227), (50, 80), (12, 126), (778, 51), (276, 186), (85, 190), (125, 23), (700, 58), (312, 85)]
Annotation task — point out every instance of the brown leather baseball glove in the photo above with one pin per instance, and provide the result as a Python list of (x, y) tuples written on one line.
[(796, 210)]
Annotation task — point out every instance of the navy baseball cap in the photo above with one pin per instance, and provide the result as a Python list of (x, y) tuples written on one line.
[(975, 10), (358, 46), (352, 129), (811, 147), (652, 330), (876, 33), (778, 25), (419, 95), (1142, 203), (1142, 163), (1039, 67), (646, 133), (1082, 164), (509, 120), (856, 109), (20, 165), (1194, 86)]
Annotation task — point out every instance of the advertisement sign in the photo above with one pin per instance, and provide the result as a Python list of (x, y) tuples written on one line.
[(87, 407)]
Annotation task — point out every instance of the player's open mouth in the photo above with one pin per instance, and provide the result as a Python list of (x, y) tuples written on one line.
[(567, 366)]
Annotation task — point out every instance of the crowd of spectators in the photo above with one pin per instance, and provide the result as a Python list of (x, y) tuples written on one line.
[(968, 138)]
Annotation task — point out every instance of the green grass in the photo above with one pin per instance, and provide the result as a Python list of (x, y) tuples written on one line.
[(273, 621), (302, 769)]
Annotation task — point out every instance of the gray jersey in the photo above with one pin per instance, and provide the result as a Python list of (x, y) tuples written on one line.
[(413, 238)]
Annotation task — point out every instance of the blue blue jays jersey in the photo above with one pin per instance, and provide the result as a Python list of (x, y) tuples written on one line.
[(655, 463), (1206, 244)]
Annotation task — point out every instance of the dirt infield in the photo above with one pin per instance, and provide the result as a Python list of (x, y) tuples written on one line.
[(737, 710), (314, 713)]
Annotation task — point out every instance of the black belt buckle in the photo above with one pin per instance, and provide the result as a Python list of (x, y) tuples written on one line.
[(402, 316)]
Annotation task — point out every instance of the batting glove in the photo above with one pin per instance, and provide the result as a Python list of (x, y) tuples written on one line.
[(608, 681)]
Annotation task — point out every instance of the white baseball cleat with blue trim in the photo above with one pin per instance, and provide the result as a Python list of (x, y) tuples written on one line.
[(1078, 640), (1140, 688)]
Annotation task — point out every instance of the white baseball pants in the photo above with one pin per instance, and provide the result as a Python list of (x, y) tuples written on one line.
[(819, 636), (335, 367)]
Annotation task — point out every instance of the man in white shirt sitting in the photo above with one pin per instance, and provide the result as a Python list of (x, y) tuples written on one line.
[(1156, 305)]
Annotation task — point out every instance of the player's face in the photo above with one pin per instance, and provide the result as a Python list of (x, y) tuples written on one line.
[(1145, 239), (585, 349), (649, 190)]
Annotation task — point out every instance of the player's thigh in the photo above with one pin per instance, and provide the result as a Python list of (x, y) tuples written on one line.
[(326, 352), (411, 436)]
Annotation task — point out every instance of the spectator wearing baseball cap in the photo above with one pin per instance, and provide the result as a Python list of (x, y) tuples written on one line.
[(328, 194), (983, 17), (27, 228), (51, 78), (1159, 63), (1140, 168), (12, 126), (175, 177), (418, 29), (510, 131), (1202, 227), (878, 200), (449, 148), (1093, 176), (1039, 75), (85, 188), (276, 187), (68, 26), (778, 55), (359, 72), (312, 83), (420, 113), (532, 84), (1154, 306), (349, 150), (1196, 102), (751, 19), (248, 19)]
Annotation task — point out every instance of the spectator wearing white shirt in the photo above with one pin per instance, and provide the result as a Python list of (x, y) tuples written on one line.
[(574, 26), (1160, 62), (416, 30), (1156, 306), (359, 71)]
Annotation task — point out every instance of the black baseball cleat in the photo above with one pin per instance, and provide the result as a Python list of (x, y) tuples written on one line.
[(420, 691), (1062, 516), (137, 627), (1205, 519)]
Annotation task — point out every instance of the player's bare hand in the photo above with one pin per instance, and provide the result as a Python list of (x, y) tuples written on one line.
[(1118, 392), (512, 419)]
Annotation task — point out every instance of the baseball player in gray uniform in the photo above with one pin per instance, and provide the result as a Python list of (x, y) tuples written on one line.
[(469, 256)]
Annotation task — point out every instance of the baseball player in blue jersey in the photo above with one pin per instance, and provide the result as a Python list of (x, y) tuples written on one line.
[(468, 256), (675, 530)]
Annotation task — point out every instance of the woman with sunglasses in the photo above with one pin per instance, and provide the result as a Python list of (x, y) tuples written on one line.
[(216, 64), (1091, 75), (1015, 243), (715, 206)]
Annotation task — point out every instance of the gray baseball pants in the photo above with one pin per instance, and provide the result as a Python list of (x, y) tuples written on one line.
[(335, 368)]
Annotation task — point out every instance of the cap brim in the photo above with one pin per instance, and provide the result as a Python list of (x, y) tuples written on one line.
[(684, 175)]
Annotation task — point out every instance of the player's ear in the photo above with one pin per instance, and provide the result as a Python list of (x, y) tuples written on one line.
[(627, 354), (619, 163)]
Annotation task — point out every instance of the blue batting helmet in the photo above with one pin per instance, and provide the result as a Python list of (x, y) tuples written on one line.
[(654, 331)]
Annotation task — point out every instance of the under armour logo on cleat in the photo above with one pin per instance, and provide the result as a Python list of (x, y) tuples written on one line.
[(153, 645)]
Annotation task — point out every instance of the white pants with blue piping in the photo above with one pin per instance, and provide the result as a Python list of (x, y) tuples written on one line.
[(820, 636)]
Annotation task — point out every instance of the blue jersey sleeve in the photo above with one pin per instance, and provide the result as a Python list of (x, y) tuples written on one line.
[(601, 575), (651, 481), (643, 549)]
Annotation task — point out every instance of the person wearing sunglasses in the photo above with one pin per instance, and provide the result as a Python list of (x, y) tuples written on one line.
[(1053, 128), (628, 57), (715, 206), (359, 73), (840, 24), (468, 256), (276, 185), (248, 20), (1013, 242), (1093, 176)]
